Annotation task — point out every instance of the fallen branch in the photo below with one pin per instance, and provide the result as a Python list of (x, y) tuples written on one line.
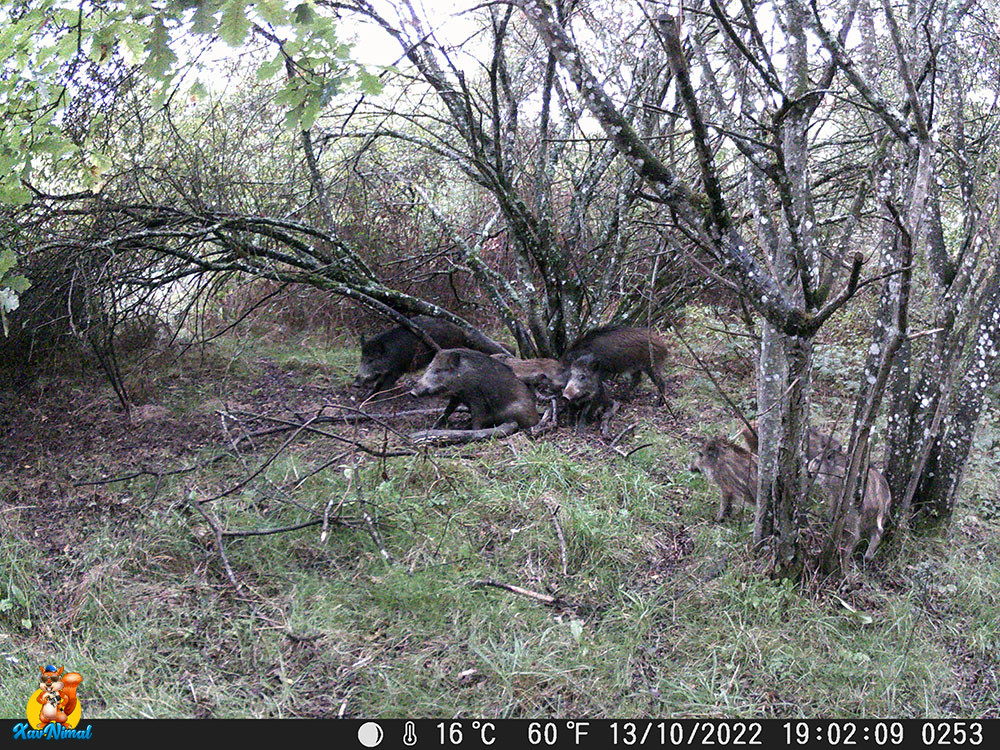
[(553, 507), (626, 454), (547, 599), (623, 433), (150, 473), (283, 529), (217, 531), (373, 531), (359, 415), (456, 437), (307, 427)]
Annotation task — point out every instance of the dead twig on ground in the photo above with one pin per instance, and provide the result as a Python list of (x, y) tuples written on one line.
[(217, 531), (457, 437), (373, 531), (359, 415), (351, 473), (150, 473), (307, 426), (556, 602), (553, 507), (283, 529)]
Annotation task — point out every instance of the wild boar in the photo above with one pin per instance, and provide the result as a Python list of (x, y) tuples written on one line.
[(867, 522), (546, 377), (730, 466), (827, 467), (388, 355), (485, 385), (614, 350)]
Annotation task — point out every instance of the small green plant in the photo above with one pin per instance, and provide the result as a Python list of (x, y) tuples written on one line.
[(16, 603)]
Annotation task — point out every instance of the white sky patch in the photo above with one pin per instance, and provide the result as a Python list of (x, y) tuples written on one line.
[(448, 21)]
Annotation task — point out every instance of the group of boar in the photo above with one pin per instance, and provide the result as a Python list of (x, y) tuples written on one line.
[(498, 388), (734, 469)]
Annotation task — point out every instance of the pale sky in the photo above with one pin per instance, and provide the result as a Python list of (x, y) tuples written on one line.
[(376, 47)]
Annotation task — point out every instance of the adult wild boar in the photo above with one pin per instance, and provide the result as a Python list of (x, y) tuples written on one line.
[(386, 356), (614, 350), (487, 386)]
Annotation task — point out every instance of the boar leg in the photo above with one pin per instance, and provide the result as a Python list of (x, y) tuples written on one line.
[(453, 403), (873, 545), (479, 416), (874, 539), (636, 376), (661, 386), (384, 383), (851, 535), (724, 505)]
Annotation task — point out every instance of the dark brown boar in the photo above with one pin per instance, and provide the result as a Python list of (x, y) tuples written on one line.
[(386, 356), (587, 386), (730, 466), (487, 386), (610, 351)]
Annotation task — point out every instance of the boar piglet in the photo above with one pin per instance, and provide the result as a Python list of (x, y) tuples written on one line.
[(827, 467), (730, 466), (867, 522), (487, 386), (546, 377)]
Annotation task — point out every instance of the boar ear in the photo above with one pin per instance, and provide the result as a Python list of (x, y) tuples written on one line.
[(454, 358)]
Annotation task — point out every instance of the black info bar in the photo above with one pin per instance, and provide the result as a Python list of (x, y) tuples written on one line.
[(552, 733)]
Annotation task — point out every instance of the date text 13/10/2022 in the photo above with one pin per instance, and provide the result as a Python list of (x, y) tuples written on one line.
[(695, 732)]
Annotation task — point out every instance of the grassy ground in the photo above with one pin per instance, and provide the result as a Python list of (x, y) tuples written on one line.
[(664, 611)]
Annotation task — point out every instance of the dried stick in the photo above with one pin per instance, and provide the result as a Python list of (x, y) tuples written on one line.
[(351, 472), (547, 599), (553, 507), (150, 473), (283, 529), (218, 541), (373, 531), (454, 437)]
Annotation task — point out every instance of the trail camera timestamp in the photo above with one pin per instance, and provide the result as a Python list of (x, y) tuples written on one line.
[(883, 733)]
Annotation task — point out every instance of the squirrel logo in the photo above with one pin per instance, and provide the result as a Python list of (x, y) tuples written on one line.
[(55, 701)]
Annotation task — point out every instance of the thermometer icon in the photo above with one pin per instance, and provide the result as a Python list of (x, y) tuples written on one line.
[(409, 734)]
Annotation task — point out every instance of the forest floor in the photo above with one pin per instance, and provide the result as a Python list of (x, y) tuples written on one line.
[(107, 567)]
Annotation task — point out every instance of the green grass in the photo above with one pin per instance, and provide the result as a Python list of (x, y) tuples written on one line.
[(674, 619)]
